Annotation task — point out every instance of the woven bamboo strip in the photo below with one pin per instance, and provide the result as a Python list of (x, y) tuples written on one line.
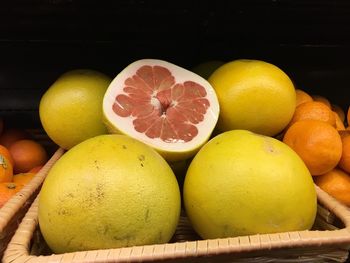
[(13, 211), (15, 203), (336, 241)]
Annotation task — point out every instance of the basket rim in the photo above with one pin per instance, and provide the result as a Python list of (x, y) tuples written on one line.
[(18, 248), (12, 206)]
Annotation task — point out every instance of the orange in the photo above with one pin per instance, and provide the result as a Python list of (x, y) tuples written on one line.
[(322, 99), (344, 162), (339, 125), (317, 143), (313, 110), (7, 190), (5, 152), (348, 116), (36, 169), (6, 169), (302, 97), (22, 178), (336, 183), (11, 135), (339, 111), (27, 154)]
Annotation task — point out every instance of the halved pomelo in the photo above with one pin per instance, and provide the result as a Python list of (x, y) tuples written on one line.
[(163, 105)]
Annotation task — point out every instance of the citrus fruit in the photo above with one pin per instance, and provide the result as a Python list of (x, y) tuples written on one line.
[(317, 143), (5, 152), (242, 183), (12, 135), (6, 169), (118, 192), (7, 190), (302, 96), (322, 99), (71, 109), (205, 69), (253, 95), (336, 183), (348, 116), (22, 178), (339, 124), (344, 162), (336, 108), (27, 154), (313, 110), (165, 106)]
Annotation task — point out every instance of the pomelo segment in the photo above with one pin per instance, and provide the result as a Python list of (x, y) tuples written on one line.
[(163, 105)]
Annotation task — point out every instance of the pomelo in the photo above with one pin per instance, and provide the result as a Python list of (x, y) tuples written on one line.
[(253, 95), (71, 109), (163, 105), (109, 191), (242, 183)]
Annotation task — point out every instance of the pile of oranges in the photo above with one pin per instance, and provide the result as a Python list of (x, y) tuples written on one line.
[(20, 159), (319, 133)]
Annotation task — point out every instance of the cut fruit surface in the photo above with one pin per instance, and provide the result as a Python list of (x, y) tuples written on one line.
[(165, 106)]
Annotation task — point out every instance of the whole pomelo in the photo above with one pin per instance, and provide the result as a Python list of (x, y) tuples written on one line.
[(71, 109), (253, 95), (242, 183), (109, 191)]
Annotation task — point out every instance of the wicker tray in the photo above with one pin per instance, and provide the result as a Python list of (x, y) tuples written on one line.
[(14, 210), (327, 241)]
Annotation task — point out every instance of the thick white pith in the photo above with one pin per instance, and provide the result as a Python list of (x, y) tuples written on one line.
[(181, 75)]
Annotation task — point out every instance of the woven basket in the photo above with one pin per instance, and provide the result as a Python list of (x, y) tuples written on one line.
[(14, 210), (327, 241)]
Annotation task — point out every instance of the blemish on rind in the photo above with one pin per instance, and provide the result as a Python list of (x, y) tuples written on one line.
[(3, 162), (96, 164), (269, 147), (124, 147), (141, 157)]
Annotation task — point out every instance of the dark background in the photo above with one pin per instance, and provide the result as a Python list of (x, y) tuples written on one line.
[(41, 39)]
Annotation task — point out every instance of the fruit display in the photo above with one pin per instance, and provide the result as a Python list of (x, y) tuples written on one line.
[(21, 157), (234, 146)]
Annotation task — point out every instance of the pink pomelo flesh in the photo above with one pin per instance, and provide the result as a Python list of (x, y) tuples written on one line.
[(162, 108), (162, 104)]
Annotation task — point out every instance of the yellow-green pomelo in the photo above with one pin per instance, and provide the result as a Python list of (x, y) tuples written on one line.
[(109, 191), (242, 183), (253, 95), (71, 109)]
